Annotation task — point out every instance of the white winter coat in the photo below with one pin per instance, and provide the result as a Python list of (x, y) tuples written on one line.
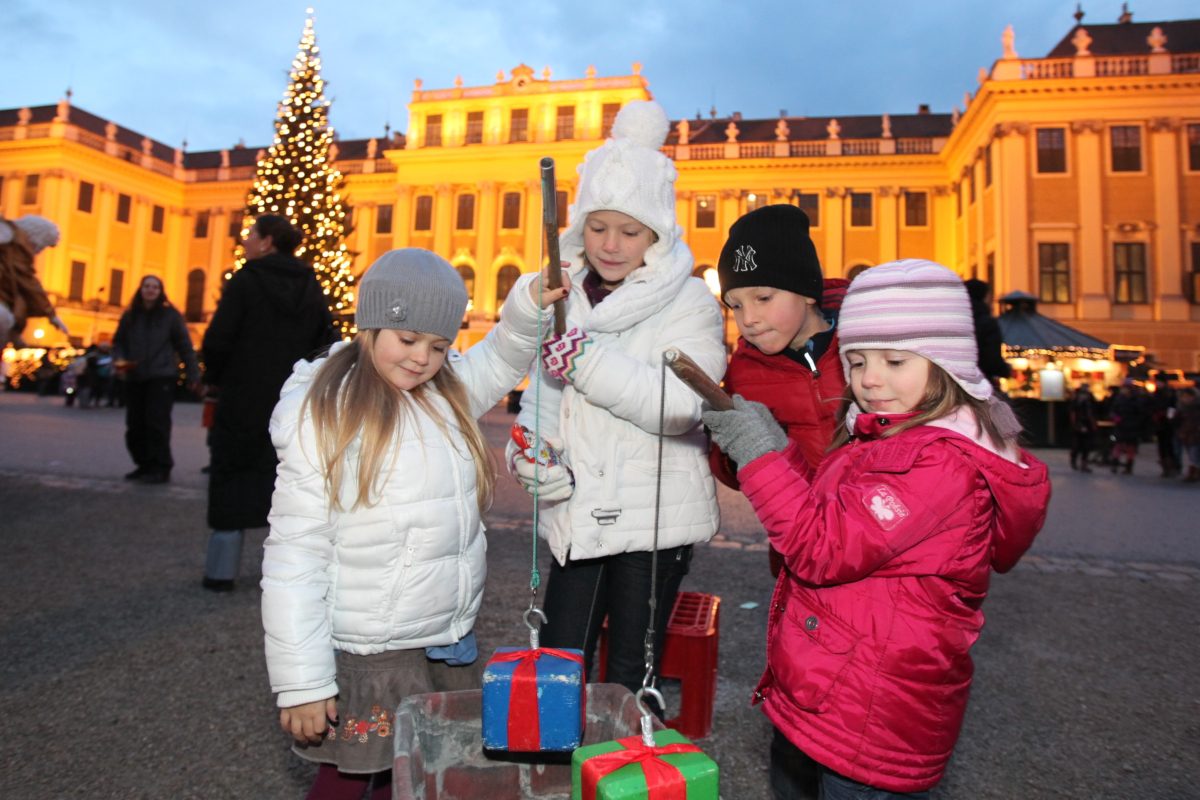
[(405, 573), (607, 420)]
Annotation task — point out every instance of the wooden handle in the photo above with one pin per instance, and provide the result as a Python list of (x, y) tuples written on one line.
[(691, 374), (553, 257)]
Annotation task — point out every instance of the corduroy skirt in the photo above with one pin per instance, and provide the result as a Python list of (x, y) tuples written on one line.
[(371, 687)]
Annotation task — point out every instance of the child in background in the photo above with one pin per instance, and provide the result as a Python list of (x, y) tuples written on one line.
[(374, 568), (890, 545)]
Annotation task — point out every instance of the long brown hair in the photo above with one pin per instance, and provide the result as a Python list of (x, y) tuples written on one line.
[(942, 396), (351, 402)]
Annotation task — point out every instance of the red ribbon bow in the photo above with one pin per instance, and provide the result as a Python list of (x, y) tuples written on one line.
[(524, 728), (664, 781)]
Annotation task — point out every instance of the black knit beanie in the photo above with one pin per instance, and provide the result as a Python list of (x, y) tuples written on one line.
[(770, 246)]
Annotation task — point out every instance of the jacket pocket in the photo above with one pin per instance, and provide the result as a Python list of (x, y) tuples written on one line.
[(809, 653)]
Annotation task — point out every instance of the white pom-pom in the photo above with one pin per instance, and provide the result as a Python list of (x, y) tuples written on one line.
[(643, 122)]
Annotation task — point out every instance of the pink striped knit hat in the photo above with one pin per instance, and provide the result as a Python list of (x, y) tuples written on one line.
[(918, 306)]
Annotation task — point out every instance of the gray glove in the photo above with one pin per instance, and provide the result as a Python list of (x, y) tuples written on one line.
[(746, 432)]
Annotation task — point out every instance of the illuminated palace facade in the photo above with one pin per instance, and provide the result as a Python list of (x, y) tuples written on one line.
[(1074, 177)]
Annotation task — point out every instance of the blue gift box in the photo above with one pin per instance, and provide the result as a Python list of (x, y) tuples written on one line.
[(533, 700)]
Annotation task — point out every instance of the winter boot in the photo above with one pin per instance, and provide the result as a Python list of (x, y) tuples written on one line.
[(1129, 466), (1193, 475), (224, 558)]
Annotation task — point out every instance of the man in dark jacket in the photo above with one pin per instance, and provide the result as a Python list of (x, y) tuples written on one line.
[(272, 313), (987, 333)]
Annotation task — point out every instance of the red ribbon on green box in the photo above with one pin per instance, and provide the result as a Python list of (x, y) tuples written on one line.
[(524, 728), (664, 781)]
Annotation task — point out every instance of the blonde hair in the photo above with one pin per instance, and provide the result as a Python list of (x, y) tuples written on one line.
[(350, 401), (942, 396)]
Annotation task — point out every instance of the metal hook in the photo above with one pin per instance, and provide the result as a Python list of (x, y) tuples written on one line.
[(647, 714), (534, 642)]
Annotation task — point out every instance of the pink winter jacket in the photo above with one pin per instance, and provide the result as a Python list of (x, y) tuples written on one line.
[(889, 552)]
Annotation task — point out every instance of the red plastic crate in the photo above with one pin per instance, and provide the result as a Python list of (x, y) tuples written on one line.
[(689, 655)]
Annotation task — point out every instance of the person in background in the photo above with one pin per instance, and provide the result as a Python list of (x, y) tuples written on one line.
[(272, 313), (151, 340), (1129, 417), (1161, 405), (1082, 414), (987, 333), (21, 293), (1187, 420)]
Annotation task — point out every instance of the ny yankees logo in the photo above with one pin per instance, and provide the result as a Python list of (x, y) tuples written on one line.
[(745, 259)]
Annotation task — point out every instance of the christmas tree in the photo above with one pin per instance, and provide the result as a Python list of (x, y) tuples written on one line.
[(297, 179)]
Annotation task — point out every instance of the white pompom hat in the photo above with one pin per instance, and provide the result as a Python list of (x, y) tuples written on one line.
[(41, 232), (628, 173)]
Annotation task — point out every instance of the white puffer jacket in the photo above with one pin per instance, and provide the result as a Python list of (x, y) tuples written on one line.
[(608, 420), (405, 573)]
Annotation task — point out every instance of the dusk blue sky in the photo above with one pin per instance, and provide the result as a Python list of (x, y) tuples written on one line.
[(212, 72)]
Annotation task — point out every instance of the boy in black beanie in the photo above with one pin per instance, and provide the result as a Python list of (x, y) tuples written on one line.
[(786, 313), (787, 359)]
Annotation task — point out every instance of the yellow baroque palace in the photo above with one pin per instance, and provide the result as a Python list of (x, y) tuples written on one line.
[(1074, 177)]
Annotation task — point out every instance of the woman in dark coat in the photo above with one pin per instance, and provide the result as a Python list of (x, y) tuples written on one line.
[(151, 340), (272, 313)]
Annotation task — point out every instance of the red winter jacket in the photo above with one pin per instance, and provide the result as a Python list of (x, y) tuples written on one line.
[(804, 403), (889, 551)]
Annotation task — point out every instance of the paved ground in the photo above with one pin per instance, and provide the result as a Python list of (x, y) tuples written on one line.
[(122, 678)]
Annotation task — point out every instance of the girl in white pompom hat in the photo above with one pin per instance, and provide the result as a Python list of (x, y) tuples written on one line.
[(633, 296), (21, 293)]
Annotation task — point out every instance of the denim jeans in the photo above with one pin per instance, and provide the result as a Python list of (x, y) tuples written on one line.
[(795, 776), (580, 595)]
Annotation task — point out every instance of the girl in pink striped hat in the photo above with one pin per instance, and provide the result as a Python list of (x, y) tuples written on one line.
[(890, 547)]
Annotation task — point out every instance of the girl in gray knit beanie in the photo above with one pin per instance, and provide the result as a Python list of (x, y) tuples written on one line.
[(373, 571)]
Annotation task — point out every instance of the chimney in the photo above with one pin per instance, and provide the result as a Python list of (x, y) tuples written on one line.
[(923, 109), (737, 116)]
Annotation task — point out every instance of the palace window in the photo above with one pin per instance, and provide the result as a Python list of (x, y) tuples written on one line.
[(124, 204), (30, 196), (916, 209), (423, 219), (200, 230), (706, 211), (958, 203), (474, 127), (383, 219), (565, 123), (86, 192), (987, 166), (505, 278), (468, 278), (1051, 150), (518, 125), (235, 224), (1126, 141), (116, 286), (755, 201), (465, 219), (810, 204), (157, 219), (433, 130), (78, 276), (560, 208), (860, 210), (971, 185), (1054, 272), (510, 218), (1193, 147), (193, 309), (608, 115), (1192, 288), (1129, 272)]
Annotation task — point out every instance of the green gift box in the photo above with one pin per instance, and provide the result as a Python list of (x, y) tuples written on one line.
[(625, 769)]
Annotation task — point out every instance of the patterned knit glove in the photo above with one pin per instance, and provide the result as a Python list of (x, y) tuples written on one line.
[(746, 432), (562, 355)]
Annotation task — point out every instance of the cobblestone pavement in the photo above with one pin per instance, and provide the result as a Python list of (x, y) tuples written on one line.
[(124, 679)]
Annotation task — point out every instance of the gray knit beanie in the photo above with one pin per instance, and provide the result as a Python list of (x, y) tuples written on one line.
[(413, 290), (42, 233)]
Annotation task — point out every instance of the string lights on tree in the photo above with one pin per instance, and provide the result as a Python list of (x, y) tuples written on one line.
[(297, 179)]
